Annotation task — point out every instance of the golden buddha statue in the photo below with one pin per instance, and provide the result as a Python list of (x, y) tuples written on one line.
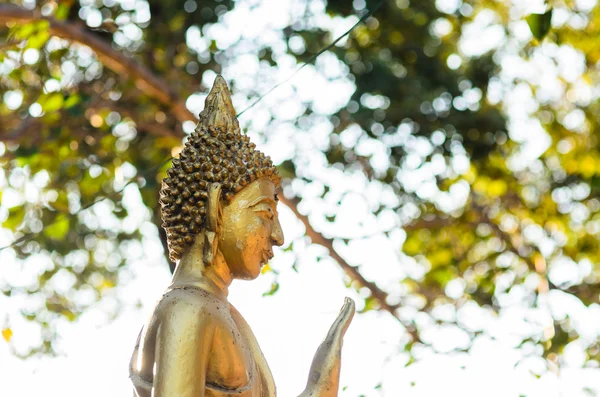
[(219, 209)]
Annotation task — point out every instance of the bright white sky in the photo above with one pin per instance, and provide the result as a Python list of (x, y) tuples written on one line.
[(291, 324)]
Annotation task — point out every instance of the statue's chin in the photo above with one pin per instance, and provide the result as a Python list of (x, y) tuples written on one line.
[(247, 273), (246, 277)]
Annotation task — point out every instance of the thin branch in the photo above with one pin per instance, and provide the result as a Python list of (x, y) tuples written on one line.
[(435, 223), (351, 271), (23, 130), (313, 57), (587, 293), (145, 80)]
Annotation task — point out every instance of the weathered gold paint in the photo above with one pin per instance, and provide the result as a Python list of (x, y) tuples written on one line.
[(216, 151), (196, 343)]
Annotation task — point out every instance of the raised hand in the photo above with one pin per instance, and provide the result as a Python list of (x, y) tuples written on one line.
[(342, 322), (324, 376)]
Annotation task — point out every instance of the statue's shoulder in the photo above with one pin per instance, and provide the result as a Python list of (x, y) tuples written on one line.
[(190, 301)]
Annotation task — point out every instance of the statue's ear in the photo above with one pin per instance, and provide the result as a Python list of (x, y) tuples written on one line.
[(213, 208)]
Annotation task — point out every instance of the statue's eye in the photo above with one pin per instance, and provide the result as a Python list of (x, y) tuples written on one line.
[(265, 211)]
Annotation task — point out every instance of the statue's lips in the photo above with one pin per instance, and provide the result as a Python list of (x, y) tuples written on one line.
[(267, 255)]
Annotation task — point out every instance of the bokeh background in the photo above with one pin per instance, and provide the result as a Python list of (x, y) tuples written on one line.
[(441, 166)]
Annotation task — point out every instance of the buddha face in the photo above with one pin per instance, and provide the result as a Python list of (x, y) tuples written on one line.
[(250, 228)]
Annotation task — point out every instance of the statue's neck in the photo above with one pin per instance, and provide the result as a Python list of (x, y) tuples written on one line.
[(194, 271)]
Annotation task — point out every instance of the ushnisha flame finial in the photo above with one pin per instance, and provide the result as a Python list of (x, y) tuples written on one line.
[(218, 108)]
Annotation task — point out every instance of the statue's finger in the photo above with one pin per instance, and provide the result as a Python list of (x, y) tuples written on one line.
[(349, 305), (342, 322), (347, 313)]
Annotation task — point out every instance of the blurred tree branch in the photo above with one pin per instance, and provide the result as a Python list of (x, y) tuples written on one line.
[(144, 79), (351, 271), (22, 130), (158, 89)]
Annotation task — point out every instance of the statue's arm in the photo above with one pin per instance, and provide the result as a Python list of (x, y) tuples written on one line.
[(183, 342), (324, 375), (141, 385)]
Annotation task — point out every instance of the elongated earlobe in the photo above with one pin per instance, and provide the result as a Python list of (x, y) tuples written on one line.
[(213, 213), (213, 222)]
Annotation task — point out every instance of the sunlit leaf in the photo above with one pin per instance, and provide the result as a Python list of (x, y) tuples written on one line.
[(62, 11), (15, 218), (7, 334), (51, 102), (59, 229), (69, 315), (540, 24), (273, 290), (38, 40), (71, 101)]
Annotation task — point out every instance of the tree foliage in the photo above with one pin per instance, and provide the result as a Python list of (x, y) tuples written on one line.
[(467, 136)]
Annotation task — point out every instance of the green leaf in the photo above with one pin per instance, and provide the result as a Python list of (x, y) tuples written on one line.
[(42, 25), (540, 24), (7, 334), (21, 32), (287, 169), (289, 248), (38, 40), (51, 102), (62, 11), (274, 288), (69, 315), (57, 230), (371, 304), (72, 101), (15, 217), (177, 22)]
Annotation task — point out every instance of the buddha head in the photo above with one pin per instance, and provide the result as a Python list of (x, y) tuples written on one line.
[(223, 191)]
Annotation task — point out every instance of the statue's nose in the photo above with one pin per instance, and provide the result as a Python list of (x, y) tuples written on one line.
[(277, 233)]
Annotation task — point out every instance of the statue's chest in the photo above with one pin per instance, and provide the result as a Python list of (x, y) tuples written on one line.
[(237, 363), (231, 365)]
